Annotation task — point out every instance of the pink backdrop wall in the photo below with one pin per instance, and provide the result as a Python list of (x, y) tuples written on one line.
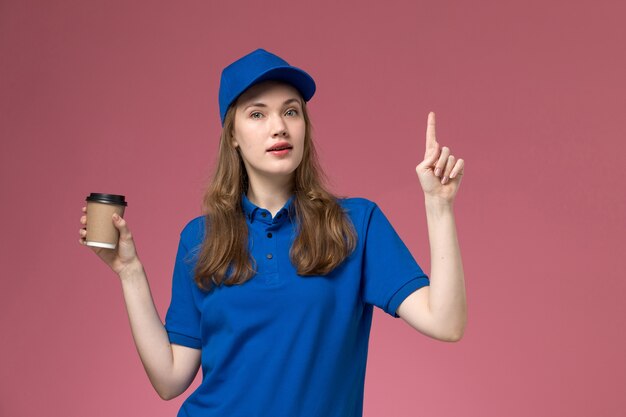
[(121, 97)]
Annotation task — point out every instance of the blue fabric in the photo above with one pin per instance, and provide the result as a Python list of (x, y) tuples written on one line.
[(284, 345)]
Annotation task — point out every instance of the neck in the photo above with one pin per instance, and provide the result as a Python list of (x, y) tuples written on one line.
[(271, 196)]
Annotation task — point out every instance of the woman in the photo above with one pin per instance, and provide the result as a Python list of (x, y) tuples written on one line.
[(274, 286)]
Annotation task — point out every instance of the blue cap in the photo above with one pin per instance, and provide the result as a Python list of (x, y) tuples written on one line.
[(258, 66)]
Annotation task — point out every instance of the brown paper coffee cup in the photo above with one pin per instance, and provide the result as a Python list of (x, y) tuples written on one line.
[(101, 232)]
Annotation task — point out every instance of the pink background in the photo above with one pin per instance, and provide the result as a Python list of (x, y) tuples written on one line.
[(121, 97)]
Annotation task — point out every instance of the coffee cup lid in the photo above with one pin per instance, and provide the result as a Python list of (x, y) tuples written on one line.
[(107, 199)]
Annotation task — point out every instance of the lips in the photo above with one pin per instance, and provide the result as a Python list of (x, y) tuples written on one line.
[(280, 146)]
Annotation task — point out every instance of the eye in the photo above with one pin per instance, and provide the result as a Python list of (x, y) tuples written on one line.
[(293, 110), (252, 114)]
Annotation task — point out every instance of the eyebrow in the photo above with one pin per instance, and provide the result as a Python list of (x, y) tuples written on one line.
[(291, 100)]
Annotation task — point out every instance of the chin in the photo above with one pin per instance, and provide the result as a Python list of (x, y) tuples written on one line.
[(285, 172)]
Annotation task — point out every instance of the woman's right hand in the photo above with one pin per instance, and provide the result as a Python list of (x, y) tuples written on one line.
[(124, 255)]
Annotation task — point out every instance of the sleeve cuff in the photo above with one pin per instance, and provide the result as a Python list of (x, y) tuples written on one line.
[(184, 340), (403, 292)]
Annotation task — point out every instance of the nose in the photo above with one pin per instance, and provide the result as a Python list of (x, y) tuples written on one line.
[(279, 128)]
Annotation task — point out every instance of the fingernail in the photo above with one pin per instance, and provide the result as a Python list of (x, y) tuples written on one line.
[(445, 180), (452, 175), (437, 172), (115, 216)]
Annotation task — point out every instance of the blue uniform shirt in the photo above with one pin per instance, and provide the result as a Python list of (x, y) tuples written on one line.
[(284, 345)]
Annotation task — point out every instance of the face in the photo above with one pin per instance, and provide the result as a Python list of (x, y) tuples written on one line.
[(267, 115)]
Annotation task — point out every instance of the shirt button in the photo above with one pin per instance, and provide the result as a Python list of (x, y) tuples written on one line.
[(269, 235), (269, 256), (264, 214)]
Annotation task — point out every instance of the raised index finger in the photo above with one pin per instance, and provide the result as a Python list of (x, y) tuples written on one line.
[(431, 140)]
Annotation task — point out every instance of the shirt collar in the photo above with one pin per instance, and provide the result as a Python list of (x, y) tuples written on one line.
[(253, 212)]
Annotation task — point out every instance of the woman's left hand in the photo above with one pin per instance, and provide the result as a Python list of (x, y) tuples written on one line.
[(440, 172)]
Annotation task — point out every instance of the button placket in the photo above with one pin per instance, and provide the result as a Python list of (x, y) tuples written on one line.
[(279, 217), (271, 249)]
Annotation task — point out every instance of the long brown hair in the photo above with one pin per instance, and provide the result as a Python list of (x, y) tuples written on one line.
[(325, 234)]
